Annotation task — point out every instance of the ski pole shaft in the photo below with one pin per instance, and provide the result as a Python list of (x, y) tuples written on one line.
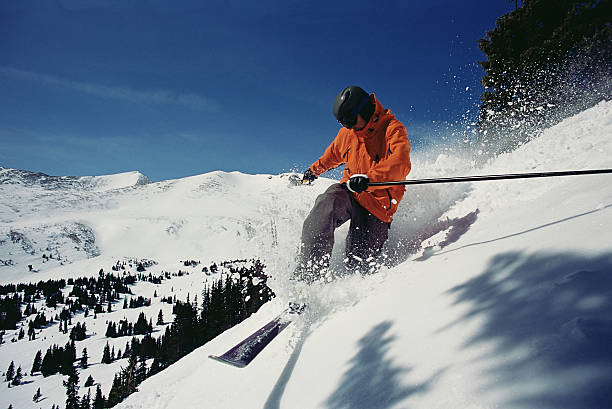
[(479, 178)]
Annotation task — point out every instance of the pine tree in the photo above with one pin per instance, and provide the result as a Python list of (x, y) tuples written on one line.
[(106, 356), (160, 318), (86, 401), (37, 396), (17, 378), (141, 370), (84, 358), (142, 327), (48, 365), (10, 372), (129, 377), (72, 389), (111, 330), (89, 382), (67, 359), (37, 362), (99, 401), (115, 395)]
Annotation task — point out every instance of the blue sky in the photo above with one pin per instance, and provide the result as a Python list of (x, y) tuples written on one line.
[(90, 87)]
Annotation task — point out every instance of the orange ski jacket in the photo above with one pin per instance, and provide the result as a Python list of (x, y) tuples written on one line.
[(381, 151)]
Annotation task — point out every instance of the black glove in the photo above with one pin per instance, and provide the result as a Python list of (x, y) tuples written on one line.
[(357, 183), (309, 176)]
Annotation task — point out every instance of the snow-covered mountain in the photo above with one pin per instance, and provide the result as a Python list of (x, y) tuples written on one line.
[(495, 294), (213, 216)]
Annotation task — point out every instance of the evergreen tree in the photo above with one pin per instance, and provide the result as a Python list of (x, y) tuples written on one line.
[(111, 330), (37, 396), (115, 395), (67, 358), (99, 401), (142, 327), (155, 367), (545, 61), (46, 367), (17, 378), (106, 355), (37, 362), (78, 332), (130, 381), (89, 382), (86, 401), (141, 370), (160, 318), (10, 372), (72, 389), (84, 358)]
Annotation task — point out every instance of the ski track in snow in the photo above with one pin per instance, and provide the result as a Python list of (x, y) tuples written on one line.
[(495, 294)]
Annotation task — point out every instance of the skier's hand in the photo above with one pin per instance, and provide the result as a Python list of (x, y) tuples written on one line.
[(358, 183), (309, 176)]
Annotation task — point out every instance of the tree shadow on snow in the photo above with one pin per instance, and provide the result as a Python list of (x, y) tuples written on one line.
[(550, 317), (273, 401), (372, 381)]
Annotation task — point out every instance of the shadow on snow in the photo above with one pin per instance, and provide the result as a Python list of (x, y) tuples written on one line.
[(273, 401), (372, 381), (550, 315)]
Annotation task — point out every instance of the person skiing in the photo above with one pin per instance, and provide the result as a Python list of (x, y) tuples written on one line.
[(374, 147)]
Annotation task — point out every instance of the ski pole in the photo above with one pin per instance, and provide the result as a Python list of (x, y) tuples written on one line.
[(491, 177)]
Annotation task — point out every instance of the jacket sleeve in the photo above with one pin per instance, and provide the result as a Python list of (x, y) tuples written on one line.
[(396, 163), (331, 158)]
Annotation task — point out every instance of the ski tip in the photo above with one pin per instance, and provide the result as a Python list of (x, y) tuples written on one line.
[(236, 364)]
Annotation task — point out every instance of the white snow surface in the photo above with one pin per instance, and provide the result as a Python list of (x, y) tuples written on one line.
[(495, 294)]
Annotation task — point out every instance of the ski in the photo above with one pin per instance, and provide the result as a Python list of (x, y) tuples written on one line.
[(246, 350)]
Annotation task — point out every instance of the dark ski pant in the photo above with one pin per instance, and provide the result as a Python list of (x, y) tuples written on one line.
[(364, 242)]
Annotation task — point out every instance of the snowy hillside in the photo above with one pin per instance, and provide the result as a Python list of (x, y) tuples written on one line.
[(213, 216), (495, 294)]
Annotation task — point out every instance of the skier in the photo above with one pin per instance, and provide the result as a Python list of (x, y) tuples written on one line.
[(374, 147)]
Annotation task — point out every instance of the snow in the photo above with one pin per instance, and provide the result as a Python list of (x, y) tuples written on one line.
[(495, 294)]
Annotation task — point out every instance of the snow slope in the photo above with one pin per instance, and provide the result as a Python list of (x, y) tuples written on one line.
[(514, 313), (495, 294)]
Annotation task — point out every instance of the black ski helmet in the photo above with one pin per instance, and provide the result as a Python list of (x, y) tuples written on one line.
[(350, 102)]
